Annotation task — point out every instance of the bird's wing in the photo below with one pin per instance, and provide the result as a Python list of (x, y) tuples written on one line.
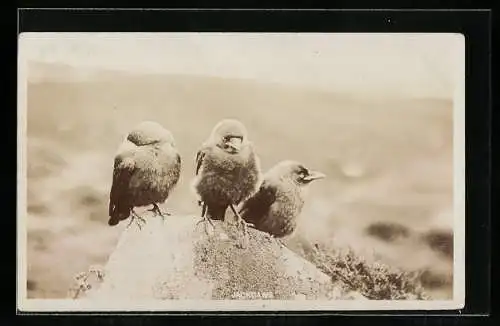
[(179, 159), (200, 155), (177, 168), (258, 205), (124, 166)]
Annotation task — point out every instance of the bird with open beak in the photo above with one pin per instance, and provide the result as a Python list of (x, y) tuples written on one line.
[(227, 171), (274, 208), (147, 167)]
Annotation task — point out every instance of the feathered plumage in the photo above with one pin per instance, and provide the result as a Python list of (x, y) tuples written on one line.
[(274, 208), (146, 169), (227, 169)]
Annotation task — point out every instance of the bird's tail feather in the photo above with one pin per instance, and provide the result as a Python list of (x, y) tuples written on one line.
[(216, 212), (118, 213)]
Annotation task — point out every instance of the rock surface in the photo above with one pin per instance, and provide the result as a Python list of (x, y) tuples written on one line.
[(178, 259)]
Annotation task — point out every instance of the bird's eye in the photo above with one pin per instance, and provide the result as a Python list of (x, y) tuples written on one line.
[(303, 173)]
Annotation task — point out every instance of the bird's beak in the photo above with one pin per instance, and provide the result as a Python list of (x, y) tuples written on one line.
[(235, 143), (314, 175)]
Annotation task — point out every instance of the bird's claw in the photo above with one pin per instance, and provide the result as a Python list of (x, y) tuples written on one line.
[(241, 221), (279, 242), (158, 212), (137, 218), (276, 240), (205, 220), (137, 223), (244, 224), (250, 225)]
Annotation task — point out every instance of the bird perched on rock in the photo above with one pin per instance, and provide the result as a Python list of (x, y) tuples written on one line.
[(275, 207), (146, 169), (227, 170)]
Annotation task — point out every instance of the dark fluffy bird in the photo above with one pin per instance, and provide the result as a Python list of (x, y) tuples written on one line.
[(227, 170), (275, 207), (146, 169)]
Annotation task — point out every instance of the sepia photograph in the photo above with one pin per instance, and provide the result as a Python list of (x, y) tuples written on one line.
[(240, 171)]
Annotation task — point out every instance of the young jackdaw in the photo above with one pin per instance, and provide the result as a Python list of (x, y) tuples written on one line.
[(227, 171), (275, 207), (147, 167)]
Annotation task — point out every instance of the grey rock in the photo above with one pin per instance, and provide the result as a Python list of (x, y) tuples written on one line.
[(179, 259)]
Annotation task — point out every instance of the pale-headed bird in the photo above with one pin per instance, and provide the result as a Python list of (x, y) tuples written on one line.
[(227, 170), (147, 168), (275, 207)]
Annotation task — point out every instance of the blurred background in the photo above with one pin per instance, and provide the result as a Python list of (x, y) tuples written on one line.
[(373, 112)]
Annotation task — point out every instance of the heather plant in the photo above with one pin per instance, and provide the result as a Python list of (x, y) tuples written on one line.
[(374, 280)]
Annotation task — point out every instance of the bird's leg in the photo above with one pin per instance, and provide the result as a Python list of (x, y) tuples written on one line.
[(140, 218), (131, 220), (203, 212), (243, 223), (240, 220), (156, 209), (204, 217)]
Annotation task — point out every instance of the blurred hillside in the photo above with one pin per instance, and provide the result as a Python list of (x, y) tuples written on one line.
[(389, 164)]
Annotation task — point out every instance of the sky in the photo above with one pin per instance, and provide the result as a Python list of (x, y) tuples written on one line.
[(417, 65)]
